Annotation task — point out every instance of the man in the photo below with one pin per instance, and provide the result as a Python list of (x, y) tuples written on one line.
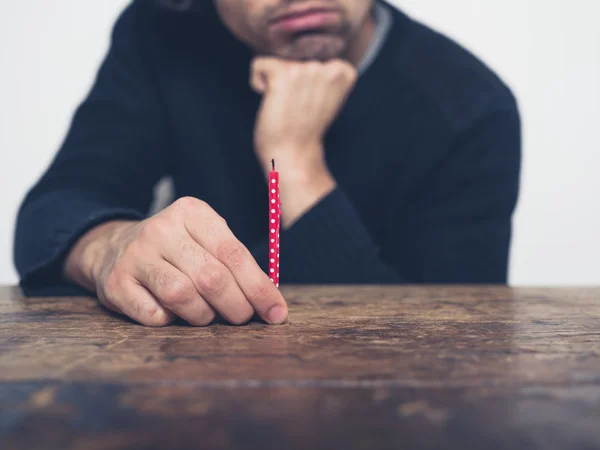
[(398, 152)]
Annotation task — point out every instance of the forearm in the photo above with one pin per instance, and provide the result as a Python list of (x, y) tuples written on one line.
[(50, 223), (323, 238)]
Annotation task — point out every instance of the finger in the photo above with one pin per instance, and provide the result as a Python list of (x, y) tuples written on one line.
[(108, 304), (263, 71), (212, 233), (126, 296), (342, 73), (258, 82), (211, 278), (343, 67), (176, 292)]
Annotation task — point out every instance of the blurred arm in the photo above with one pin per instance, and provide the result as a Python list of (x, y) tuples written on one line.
[(114, 153)]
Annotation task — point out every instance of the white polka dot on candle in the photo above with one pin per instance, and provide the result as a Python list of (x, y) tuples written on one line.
[(273, 211), (273, 181), (277, 275), (272, 250), (273, 201), (272, 241), (272, 220), (272, 260), (272, 270), (272, 191), (273, 230)]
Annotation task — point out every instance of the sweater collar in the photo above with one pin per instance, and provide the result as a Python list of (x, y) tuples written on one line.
[(383, 24)]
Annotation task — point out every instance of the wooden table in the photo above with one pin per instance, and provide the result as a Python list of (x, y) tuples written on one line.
[(355, 367)]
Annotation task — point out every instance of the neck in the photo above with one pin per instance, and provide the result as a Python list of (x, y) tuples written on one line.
[(360, 44)]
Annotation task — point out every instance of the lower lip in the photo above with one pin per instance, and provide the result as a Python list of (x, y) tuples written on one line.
[(306, 22)]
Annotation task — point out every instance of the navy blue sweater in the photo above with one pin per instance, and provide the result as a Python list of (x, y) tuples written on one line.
[(426, 154)]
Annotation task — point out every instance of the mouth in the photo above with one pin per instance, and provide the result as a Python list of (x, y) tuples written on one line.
[(305, 20)]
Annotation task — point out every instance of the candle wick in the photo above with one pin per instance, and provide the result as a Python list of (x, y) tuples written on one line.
[(273, 164)]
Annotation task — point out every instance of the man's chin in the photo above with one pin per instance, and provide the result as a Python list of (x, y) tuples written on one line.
[(321, 47)]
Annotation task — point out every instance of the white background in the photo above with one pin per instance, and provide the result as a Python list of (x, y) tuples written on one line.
[(548, 51)]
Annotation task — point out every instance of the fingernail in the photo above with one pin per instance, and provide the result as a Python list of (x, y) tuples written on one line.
[(277, 315)]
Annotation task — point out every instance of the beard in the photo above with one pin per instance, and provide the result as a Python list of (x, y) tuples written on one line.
[(321, 46)]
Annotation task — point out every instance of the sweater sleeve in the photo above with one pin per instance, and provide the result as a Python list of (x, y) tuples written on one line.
[(456, 231), (113, 154), (330, 244), (458, 227)]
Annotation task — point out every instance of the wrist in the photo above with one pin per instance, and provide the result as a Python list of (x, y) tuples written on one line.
[(84, 262), (292, 157), (306, 185), (302, 191), (304, 176)]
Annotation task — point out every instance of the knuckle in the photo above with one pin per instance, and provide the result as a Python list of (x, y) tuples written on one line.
[(297, 69), (206, 317), (205, 210), (351, 75), (338, 78), (342, 71), (178, 292), (157, 276), (154, 228), (335, 66), (185, 203), (211, 279), (192, 251), (219, 219), (291, 71), (161, 225), (146, 231), (258, 292), (155, 316), (133, 252), (314, 67), (338, 73), (232, 254), (241, 317), (202, 206)]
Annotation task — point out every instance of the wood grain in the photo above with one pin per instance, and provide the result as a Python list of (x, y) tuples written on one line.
[(355, 367)]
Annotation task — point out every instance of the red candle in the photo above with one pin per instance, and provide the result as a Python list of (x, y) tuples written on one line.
[(274, 225)]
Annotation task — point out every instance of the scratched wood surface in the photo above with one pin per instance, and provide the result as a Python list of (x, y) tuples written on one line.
[(355, 367)]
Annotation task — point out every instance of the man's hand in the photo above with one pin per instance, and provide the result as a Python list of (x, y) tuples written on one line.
[(301, 100), (182, 262)]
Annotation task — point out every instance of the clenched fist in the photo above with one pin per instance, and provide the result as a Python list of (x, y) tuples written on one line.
[(184, 261), (300, 102)]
